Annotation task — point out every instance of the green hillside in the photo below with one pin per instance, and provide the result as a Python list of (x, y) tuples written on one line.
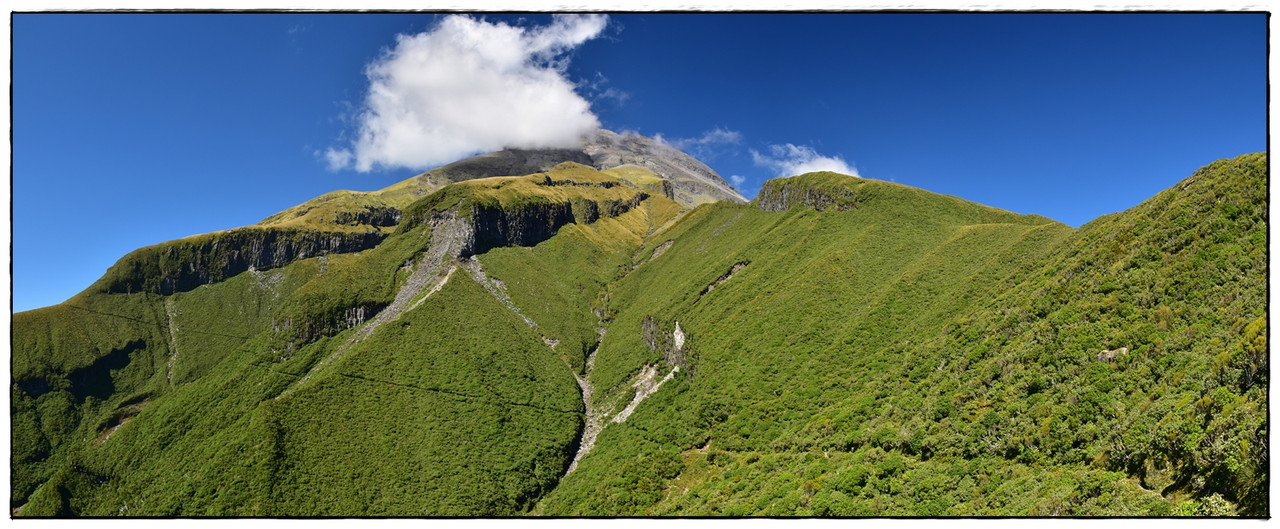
[(840, 346), (917, 355)]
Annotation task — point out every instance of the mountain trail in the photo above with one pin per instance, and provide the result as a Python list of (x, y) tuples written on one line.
[(439, 285), (496, 288)]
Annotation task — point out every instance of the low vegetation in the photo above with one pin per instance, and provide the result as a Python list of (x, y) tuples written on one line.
[(847, 347)]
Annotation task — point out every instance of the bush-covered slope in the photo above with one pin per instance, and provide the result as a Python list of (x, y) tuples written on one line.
[(839, 347), (924, 360)]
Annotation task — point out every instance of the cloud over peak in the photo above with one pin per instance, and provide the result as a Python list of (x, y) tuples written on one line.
[(790, 160), (469, 86), (711, 144)]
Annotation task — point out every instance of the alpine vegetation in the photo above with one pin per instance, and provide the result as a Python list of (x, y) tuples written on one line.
[(608, 328)]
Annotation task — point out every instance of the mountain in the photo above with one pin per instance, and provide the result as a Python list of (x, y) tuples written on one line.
[(631, 156), (613, 331)]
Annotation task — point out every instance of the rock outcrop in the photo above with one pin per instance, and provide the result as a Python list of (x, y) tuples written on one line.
[(369, 216), (810, 190)]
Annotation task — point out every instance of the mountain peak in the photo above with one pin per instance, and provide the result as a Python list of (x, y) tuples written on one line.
[(691, 181)]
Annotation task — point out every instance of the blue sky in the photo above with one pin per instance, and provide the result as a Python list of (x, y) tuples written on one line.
[(130, 130)]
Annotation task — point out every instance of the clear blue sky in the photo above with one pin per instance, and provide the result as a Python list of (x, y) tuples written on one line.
[(130, 130)]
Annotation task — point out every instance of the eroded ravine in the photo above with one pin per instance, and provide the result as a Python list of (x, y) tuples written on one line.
[(592, 423)]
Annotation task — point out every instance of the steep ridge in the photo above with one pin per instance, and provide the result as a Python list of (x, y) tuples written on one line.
[(351, 221)]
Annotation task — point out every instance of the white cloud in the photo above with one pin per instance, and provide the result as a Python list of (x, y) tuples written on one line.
[(737, 180), (469, 86), (596, 90), (707, 146), (716, 136), (790, 160), (337, 158)]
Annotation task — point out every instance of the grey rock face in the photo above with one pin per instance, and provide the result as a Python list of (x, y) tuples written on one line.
[(687, 175), (497, 227), (369, 216), (691, 181), (507, 162)]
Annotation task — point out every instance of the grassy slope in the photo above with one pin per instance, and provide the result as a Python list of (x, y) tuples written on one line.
[(325, 211), (197, 429), (477, 404), (557, 283), (880, 361), (431, 415)]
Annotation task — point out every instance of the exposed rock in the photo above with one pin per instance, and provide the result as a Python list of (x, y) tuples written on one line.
[(369, 216), (670, 343), (593, 418), (737, 267), (1111, 354), (449, 234), (171, 311), (645, 385), (688, 176), (312, 327), (662, 248), (531, 224), (499, 290), (781, 194)]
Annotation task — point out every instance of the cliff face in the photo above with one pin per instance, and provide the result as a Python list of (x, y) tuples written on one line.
[(182, 265), (524, 211), (467, 219), (531, 224), (377, 216)]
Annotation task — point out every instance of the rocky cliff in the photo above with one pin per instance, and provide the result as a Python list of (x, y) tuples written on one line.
[(184, 264)]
